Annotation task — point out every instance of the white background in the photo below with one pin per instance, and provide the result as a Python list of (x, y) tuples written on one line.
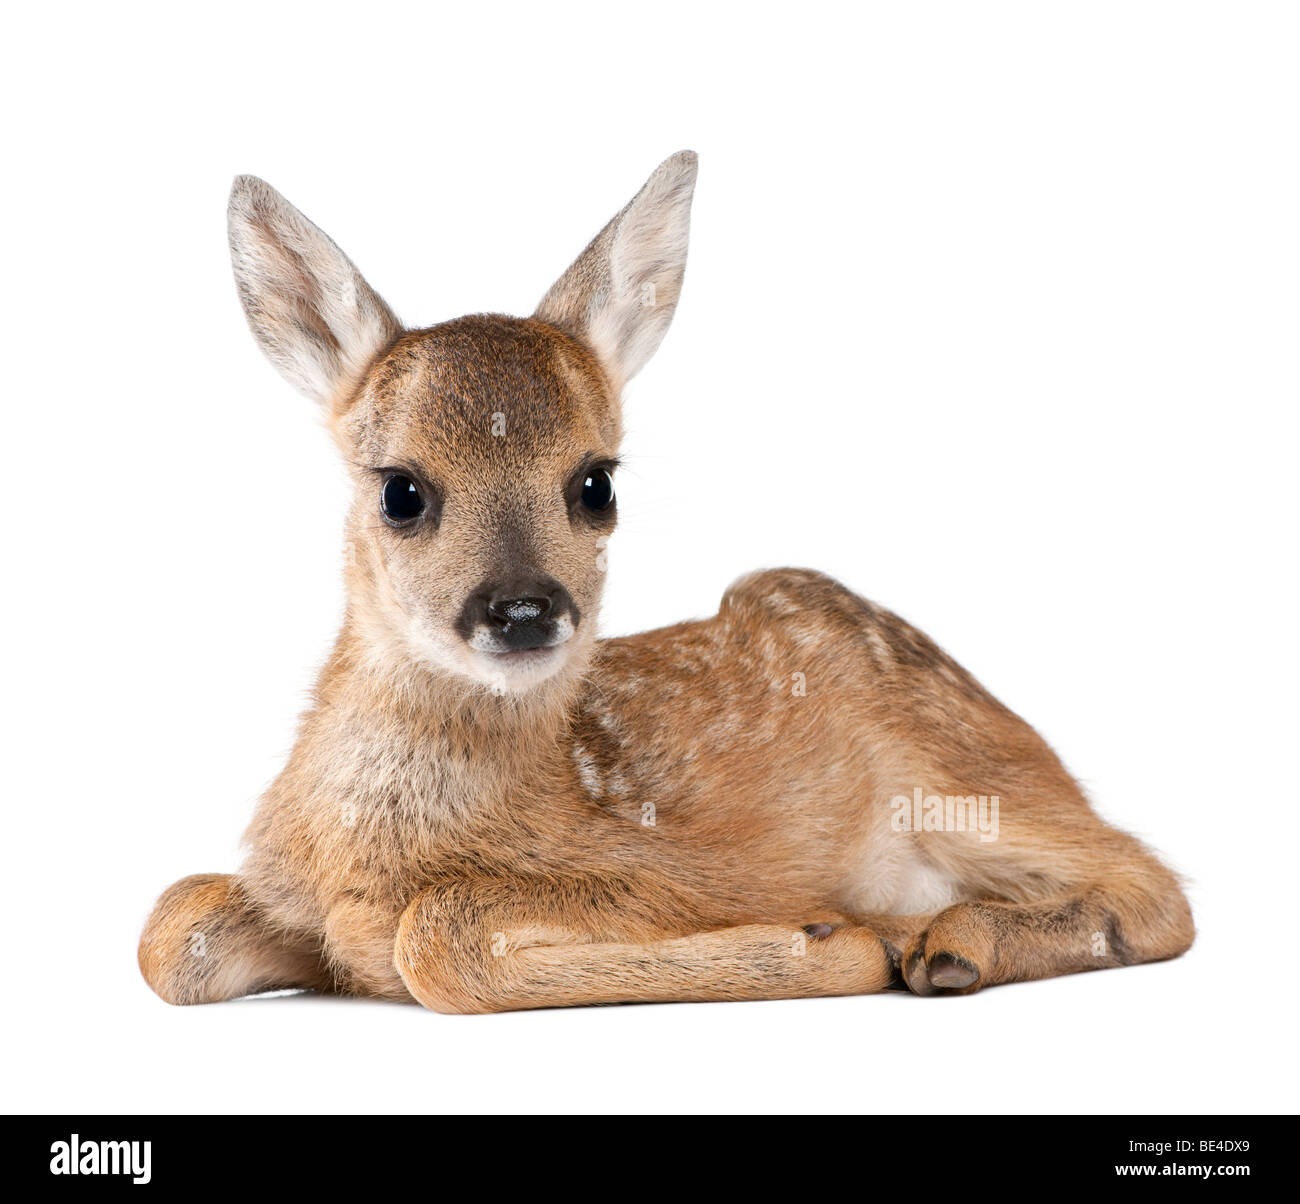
[(991, 311)]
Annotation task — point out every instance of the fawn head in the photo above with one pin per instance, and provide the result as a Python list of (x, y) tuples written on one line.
[(482, 450)]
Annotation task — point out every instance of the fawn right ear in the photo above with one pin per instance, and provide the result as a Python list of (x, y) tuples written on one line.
[(310, 310), (620, 293)]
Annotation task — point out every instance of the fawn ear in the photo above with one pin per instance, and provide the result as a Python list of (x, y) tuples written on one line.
[(620, 293), (310, 310)]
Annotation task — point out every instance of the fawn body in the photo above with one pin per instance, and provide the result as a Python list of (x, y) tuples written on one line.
[(488, 808)]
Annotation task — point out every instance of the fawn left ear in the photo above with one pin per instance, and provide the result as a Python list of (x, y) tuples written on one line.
[(309, 308), (620, 293)]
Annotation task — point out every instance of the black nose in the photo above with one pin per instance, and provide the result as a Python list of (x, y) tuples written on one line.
[(517, 612), (520, 611)]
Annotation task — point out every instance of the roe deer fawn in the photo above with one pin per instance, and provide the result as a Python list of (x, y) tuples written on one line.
[(488, 808)]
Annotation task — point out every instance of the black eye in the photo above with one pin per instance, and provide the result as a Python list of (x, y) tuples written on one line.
[(598, 490), (400, 499)]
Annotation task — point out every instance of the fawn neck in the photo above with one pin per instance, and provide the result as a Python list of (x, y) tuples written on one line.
[(490, 737)]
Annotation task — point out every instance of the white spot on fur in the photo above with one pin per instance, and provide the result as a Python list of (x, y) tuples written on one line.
[(588, 774), (878, 645)]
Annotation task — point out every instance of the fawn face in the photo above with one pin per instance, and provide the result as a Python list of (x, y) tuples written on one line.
[(483, 449), (483, 453)]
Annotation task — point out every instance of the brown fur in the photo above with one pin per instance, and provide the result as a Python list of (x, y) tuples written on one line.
[(697, 813)]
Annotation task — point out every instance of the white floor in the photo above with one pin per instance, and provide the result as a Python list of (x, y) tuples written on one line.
[(1211, 1032)]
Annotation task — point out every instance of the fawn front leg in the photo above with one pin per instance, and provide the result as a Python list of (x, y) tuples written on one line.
[(205, 942), (459, 953), (1135, 913)]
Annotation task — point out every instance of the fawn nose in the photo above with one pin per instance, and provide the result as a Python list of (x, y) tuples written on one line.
[(511, 612), (519, 614)]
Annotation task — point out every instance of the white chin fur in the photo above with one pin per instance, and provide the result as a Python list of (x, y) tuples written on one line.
[(508, 674), (512, 673), (516, 672)]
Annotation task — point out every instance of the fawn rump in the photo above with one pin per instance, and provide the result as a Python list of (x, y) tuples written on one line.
[(489, 808)]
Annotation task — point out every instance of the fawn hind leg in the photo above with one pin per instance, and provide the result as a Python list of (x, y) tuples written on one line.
[(205, 942), (465, 949), (1133, 912)]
